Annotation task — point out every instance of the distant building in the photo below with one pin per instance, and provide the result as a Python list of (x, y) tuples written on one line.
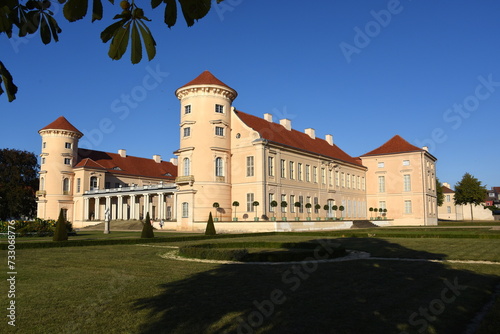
[(227, 156), (450, 211)]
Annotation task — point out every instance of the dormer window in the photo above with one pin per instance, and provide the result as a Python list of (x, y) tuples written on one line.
[(219, 108), (116, 168)]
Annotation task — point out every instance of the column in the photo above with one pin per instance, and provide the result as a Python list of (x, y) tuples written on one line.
[(132, 207), (107, 207), (161, 206), (96, 208), (120, 207), (146, 205), (85, 208)]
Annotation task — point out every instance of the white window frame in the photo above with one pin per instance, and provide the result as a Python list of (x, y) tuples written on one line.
[(250, 166)]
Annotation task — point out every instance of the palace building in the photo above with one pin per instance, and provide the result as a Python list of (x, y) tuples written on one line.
[(245, 164)]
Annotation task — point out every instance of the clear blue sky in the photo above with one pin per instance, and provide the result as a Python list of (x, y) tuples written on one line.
[(362, 71)]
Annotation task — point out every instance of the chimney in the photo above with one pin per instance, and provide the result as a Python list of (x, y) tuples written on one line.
[(425, 148), (329, 139), (447, 185), (173, 161), (268, 117), (122, 153), (157, 158), (286, 123), (311, 132)]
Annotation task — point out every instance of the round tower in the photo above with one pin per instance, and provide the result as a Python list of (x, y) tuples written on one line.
[(59, 155), (205, 149)]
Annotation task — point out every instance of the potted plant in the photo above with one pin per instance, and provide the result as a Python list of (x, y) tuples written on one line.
[(216, 206), (334, 208), (308, 207), (341, 208), (235, 204), (326, 208), (371, 212), (274, 204), (284, 204), (255, 204), (317, 207), (385, 213), (375, 210), (297, 205)]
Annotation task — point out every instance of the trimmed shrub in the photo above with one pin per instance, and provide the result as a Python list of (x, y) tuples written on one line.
[(60, 233), (210, 230), (147, 228)]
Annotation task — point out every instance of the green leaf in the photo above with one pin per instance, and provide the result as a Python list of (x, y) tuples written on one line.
[(96, 10), (110, 31), (194, 10), (170, 13), (10, 88), (148, 39), (54, 27), (30, 25), (44, 30), (120, 42), (136, 52), (6, 21), (75, 9), (155, 3)]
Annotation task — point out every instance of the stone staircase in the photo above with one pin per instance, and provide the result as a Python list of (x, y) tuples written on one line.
[(363, 224)]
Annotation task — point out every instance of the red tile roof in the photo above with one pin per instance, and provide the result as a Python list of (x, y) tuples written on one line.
[(277, 133), (206, 78), (394, 145), (114, 163), (61, 123), (447, 190)]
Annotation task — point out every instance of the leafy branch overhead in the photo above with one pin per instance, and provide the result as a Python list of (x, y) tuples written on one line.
[(130, 29)]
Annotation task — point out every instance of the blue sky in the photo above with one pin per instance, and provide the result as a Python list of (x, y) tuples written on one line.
[(362, 71)]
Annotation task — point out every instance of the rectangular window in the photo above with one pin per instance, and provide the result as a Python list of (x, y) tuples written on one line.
[(308, 173), (323, 176), (301, 201), (250, 200), (358, 182), (407, 182), (283, 199), (381, 204), (187, 109), (407, 206), (299, 171), (292, 203), (250, 168), (380, 165), (448, 209), (270, 166), (308, 201), (348, 180), (363, 183), (283, 168), (330, 178), (315, 174), (107, 185), (342, 179), (219, 108), (271, 198), (219, 131), (185, 210), (44, 145), (337, 178), (448, 198), (78, 185), (67, 145), (291, 170), (43, 161), (67, 161), (187, 132), (406, 162), (315, 203), (381, 184)]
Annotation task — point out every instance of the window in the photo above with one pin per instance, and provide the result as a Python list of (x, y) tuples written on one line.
[(407, 182), (308, 173), (448, 198), (219, 131), (107, 185), (323, 176), (406, 162), (270, 166), (315, 174), (93, 183), (250, 200), (187, 132), (283, 199), (67, 145), (169, 212), (78, 184), (348, 180), (315, 203), (407, 206), (308, 202), (250, 166), (342, 179), (42, 183), (363, 183), (301, 201), (187, 166), (43, 160), (292, 203), (358, 182), (381, 184), (219, 108), (67, 161), (187, 109), (283, 168), (219, 167), (44, 145), (337, 179), (448, 209), (299, 171), (291, 170), (185, 210), (271, 198), (380, 165), (66, 186), (117, 185), (381, 204), (330, 178)]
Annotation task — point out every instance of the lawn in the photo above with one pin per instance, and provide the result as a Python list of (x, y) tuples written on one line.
[(131, 289)]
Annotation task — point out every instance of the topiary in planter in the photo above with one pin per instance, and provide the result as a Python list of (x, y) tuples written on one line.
[(60, 233), (147, 228), (210, 230)]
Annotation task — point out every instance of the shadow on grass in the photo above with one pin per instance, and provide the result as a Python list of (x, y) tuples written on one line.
[(363, 296)]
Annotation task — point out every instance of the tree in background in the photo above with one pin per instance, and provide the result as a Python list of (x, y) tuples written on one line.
[(129, 30), (18, 184), (60, 233), (469, 191), (147, 228), (439, 193)]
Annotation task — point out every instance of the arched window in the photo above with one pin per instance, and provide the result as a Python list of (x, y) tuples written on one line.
[(66, 186), (93, 183), (219, 167), (187, 166)]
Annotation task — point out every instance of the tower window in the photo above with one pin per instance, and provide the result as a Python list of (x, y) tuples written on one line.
[(93, 183), (187, 132), (66, 186), (187, 109), (219, 131), (219, 167), (187, 166), (44, 145), (43, 161), (219, 108), (78, 185), (67, 145), (67, 161)]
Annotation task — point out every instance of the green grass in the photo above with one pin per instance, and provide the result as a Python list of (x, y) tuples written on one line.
[(131, 289), (469, 223)]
